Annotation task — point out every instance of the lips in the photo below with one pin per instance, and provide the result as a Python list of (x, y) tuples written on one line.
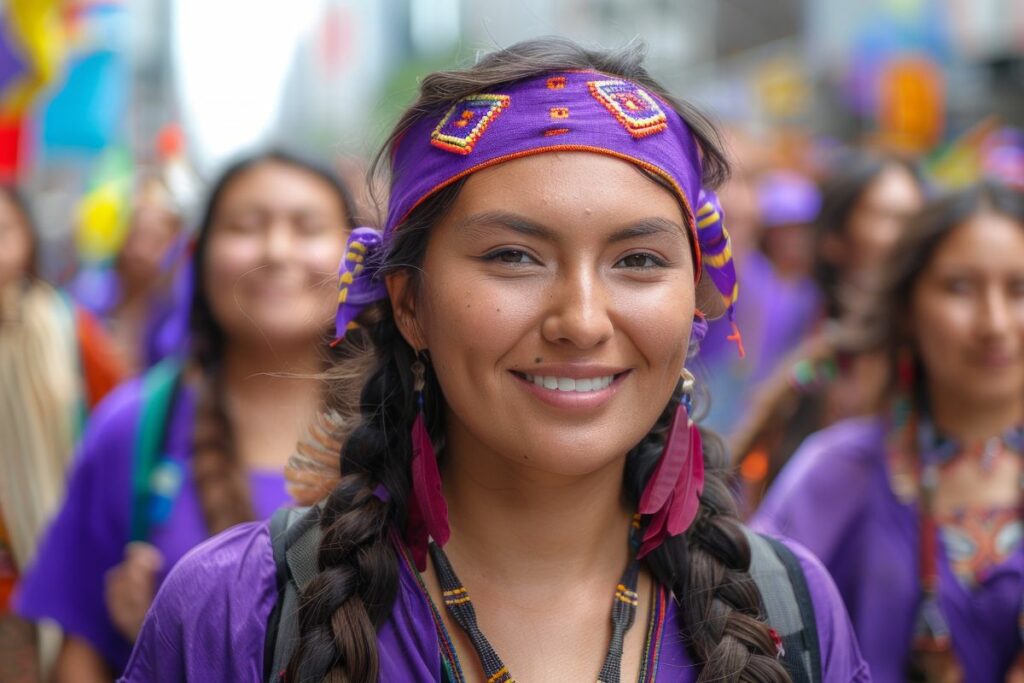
[(573, 387), (581, 385)]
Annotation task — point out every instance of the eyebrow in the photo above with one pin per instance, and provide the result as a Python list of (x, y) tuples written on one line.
[(644, 227)]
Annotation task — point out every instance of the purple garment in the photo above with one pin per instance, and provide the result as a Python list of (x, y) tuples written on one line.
[(834, 496), (775, 316), (165, 332), (66, 579), (209, 622)]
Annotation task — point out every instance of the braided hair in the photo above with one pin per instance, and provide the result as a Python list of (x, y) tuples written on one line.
[(218, 472), (722, 617)]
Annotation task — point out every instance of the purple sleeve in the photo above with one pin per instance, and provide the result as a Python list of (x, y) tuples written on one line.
[(65, 581), (209, 619), (841, 660), (819, 492)]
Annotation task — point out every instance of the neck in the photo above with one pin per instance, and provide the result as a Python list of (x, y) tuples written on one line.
[(135, 291), (972, 421), (275, 373), (270, 398), (516, 525)]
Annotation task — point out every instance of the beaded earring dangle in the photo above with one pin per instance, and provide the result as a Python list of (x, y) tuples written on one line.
[(672, 494), (428, 512)]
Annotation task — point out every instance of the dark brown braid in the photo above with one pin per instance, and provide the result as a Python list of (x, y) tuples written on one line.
[(722, 617), (219, 475)]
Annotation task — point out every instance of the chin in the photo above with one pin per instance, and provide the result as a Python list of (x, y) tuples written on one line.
[(567, 459), (1000, 391)]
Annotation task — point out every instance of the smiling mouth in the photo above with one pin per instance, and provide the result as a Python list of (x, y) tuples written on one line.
[(569, 384)]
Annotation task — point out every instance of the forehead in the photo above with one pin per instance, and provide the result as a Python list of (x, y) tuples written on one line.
[(274, 182), (985, 240), (569, 187)]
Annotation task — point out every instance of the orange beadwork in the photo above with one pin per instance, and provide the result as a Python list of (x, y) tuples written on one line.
[(637, 111), (551, 132), (556, 82), (466, 121), (559, 112)]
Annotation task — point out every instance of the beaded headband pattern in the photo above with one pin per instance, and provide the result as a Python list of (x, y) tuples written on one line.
[(569, 111)]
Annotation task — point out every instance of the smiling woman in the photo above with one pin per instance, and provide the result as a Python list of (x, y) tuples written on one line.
[(200, 441), (529, 304), (916, 508)]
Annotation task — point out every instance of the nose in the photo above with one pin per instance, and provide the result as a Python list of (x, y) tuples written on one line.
[(996, 314), (278, 241), (578, 310)]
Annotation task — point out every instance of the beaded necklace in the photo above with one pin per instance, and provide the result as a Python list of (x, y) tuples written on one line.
[(934, 450), (624, 607)]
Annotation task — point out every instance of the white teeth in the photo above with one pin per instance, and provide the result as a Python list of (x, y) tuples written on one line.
[(569, 384)]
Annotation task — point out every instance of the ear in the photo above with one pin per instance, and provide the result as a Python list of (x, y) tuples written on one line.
[(402, 293)]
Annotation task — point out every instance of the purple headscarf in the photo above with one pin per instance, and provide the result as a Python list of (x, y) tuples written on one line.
[(567, 111)]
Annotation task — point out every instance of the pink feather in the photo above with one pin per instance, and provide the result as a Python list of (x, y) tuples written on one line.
[(672, 495), (677, 450), (686, 497), (428, 499)]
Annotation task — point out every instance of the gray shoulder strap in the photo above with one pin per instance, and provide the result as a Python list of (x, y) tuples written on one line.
[(295, 538), (788, 606)]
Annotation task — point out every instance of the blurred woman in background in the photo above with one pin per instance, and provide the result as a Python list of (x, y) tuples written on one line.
[(55, 364), (200, 442), (133, 295), (865, 204), (916, 508)]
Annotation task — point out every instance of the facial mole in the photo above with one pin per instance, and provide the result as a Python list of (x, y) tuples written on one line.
[(538, 360)]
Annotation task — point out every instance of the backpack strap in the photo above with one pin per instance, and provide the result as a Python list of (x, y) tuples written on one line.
[(787, 601), (159, 386), (295, 538)]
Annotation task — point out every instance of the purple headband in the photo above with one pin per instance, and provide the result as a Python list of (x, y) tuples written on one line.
[(571, 111)]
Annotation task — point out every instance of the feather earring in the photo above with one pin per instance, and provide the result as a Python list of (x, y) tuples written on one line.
[(672, 494), (428, 512)]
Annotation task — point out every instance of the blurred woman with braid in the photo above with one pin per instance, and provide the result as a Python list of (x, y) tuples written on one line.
[(199, 443), (916, 508), (55, 365), (524, 495)]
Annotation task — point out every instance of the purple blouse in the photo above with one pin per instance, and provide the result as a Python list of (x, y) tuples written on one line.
[(835, 497), (66, 579), (209, 621)]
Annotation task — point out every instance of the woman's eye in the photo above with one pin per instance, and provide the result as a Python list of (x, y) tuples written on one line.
[(245, 224), (639, 261), (311, 228), (509, 256), (957, 286)]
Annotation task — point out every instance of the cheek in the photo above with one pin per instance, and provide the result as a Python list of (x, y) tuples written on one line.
[(658, 324), (320, 257), (942, 329), (228, 257), (466, 313), (228, 260)]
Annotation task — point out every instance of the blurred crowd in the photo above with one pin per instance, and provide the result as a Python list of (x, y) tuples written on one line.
[(154, 398), (171, 386)]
